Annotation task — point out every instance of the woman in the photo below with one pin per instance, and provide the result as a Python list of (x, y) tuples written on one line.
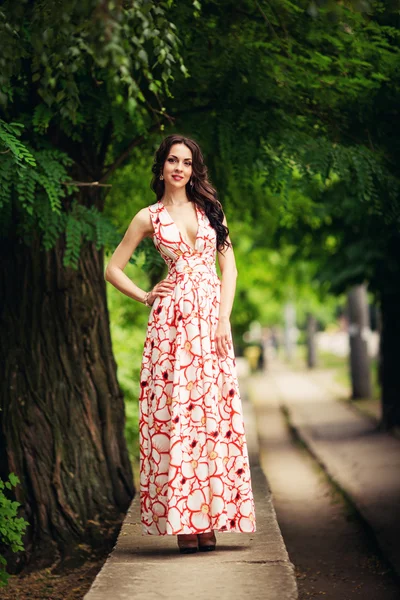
[(194, 468)]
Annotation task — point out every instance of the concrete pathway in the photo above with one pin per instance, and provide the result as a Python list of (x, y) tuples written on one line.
[(362, 460), (243, 566)]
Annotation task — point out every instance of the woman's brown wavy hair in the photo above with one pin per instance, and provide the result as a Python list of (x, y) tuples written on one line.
[(202, 192)]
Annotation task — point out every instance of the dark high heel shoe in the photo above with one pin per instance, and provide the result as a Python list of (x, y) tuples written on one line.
[(187, 543), (207, 541)]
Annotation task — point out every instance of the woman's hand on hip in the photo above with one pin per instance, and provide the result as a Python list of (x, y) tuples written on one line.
[(164, 288)]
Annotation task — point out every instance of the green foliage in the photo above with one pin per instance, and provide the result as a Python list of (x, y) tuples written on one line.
[(9, 140), (78, 82), (87, 224), (301, 161), (269, 70), (34, 182), (76, 49), (334, 200), (27, 174), (276, 69), (12, 527), (274, 277)]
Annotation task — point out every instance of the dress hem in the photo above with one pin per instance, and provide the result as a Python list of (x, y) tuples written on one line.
[(145, 533)]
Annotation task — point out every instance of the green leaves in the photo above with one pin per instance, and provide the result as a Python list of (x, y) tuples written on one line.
[(24, 171), (9, 142), (87, 224), (335, 203), (80, 81), (42, 116), (68, 49), (33, 183), (73, 238), (12, 527)]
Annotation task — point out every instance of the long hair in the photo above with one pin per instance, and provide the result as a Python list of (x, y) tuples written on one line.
[(201, 192)]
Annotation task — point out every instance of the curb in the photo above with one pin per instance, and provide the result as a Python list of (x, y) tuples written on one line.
[(384, 547)]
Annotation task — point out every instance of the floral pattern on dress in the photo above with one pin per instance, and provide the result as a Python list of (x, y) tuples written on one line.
[(194, 466)]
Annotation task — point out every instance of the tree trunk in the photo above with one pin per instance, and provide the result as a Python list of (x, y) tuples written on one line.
[(290, 324), (62, 412), (358, 330), (389, 360), (311, 342)]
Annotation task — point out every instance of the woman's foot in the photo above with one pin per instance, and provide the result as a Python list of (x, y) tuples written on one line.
[(187, 543), (207, 541)]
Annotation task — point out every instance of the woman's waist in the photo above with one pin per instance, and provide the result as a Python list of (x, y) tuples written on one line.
[(189, 267)]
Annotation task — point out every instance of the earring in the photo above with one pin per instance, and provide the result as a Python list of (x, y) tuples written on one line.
[(161, 177), (191, 183)]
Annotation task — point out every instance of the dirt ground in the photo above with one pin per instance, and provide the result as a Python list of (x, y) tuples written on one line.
[(71, 584), (45, 585)]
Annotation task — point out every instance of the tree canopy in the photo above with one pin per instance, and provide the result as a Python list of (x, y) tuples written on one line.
[(81, 84)]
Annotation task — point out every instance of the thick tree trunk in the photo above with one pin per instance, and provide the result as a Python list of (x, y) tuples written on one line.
[(62, 412), (358, 329), (311, 342), (389, 359)]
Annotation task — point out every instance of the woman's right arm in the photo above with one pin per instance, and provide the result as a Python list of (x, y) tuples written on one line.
[(139, 228)]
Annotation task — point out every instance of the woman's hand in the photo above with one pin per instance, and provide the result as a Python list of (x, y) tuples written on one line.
[(223, 337), (163, 288)]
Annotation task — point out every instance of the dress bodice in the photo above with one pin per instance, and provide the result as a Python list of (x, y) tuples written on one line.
[(179, 255)]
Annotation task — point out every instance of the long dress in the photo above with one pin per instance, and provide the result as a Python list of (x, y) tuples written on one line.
[(194, 466)]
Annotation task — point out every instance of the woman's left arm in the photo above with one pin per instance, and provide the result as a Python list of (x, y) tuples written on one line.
[(227, 264)]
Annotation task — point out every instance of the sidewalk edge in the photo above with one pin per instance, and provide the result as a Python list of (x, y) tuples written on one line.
[(300, 432)]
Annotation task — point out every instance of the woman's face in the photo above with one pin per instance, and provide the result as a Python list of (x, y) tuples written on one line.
[(178, 166)]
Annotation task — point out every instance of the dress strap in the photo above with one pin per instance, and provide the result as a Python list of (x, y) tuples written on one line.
[(154, 210)]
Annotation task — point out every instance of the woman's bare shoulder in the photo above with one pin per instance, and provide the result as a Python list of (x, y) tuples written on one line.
[(142, 220)]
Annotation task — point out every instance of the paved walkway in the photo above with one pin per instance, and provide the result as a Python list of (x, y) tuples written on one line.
[(243, 566), (362, 460)]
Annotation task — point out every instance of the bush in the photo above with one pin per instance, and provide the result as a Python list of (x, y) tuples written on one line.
[(11, 527)]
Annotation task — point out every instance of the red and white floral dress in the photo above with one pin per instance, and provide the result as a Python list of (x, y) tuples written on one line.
[(194, 466)]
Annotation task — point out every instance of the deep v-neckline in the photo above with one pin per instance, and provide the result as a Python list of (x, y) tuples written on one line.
[(198, 214)]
